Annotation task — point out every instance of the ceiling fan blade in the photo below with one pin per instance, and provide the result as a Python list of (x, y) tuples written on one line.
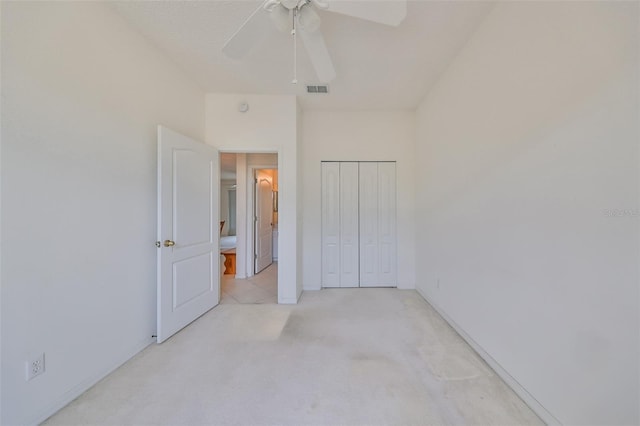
[(319, 55), (388, 12), (249, 33)]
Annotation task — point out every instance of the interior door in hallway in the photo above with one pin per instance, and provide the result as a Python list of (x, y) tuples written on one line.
[(264, 221), (188, 265)]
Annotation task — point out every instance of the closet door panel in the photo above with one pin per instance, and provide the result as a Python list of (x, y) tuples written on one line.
[(330, 224), (368, 185), (349, 264), (387, 225)]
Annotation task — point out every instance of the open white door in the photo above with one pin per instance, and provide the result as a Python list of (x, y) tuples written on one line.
[(264, 222), (188, 266)]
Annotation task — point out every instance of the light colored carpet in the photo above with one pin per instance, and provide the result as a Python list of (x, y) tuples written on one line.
[(340, 357)]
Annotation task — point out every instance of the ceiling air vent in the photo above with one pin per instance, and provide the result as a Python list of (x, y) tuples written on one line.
[(318, 89)]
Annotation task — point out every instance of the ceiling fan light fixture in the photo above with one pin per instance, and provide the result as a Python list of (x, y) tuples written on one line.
[(280, 16), (308, 19), (289, 4)]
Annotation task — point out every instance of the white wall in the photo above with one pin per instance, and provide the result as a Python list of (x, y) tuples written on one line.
[(270, 160), (525, 145), (268, 126), (242, 221), (81, 98), (358, 136), (300, 199)]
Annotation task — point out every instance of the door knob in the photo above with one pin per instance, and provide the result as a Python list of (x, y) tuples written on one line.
[(169, 243)]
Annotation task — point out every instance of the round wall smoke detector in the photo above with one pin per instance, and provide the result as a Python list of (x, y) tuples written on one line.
[(243, 107)]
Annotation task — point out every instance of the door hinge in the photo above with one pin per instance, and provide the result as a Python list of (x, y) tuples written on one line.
[(158, 244)]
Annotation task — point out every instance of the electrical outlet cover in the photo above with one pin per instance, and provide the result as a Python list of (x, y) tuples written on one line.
[(35, 366)]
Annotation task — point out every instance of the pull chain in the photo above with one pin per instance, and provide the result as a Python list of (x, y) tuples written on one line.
[(295, 47)]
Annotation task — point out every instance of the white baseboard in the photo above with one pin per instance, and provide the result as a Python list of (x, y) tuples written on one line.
[(403, 286), (85, 385), (314, 288), (528, 399), (318, 287)]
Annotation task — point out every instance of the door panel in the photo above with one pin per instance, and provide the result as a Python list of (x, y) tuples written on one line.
[(387, 224), (330, 224), (368, 224), (188, 271), (192, 208), (349, 268), (191, 278)]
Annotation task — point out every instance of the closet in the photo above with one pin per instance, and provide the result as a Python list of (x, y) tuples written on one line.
[(358, 224)]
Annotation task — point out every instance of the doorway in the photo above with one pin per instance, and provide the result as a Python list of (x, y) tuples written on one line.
[(249, 236), (266, 218)]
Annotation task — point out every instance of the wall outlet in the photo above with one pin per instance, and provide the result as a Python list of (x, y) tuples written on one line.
[(35, 367)]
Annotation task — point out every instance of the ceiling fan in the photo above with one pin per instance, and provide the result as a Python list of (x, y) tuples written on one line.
[(299, 17)]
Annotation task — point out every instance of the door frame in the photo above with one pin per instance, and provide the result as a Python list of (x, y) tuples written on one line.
[(245, 266)]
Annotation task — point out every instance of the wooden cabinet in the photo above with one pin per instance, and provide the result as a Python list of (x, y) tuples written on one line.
[(229, 261)]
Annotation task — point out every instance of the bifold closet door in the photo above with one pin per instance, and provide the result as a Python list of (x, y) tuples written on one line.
[(387, 266), (358, 224), (340, 224), (330, 224), (349, 268), (377, 183)]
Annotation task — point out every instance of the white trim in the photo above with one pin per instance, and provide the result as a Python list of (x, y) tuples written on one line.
[(403, 286), (88, 383), (528, 399)]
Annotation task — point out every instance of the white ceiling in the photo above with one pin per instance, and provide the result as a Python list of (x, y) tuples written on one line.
[(378, 67)]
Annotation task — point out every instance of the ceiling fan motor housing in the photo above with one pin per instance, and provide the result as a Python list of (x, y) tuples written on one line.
[(290, 4)]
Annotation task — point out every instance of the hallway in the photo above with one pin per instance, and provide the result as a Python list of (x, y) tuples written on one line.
[(343, 356), (260, 288)]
